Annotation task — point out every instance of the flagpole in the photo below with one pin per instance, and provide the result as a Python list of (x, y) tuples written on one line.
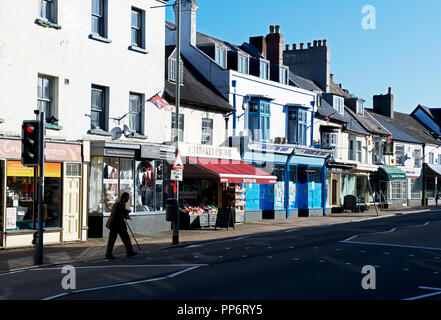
[(178, 82)]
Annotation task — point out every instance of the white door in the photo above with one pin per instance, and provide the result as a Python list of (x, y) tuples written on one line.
[(71, 209)]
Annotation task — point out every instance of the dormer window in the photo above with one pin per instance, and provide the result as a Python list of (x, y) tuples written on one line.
[(264, 70), (283, 75), (243, 64), (338, 104), (172, 69), (360, 107), (221, 57)]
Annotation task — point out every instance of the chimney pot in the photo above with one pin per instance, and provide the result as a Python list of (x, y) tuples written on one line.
[(302, 45), (325, 42), (332, 76), (315, 43), (339, 85), (271, 29), (277, 29), (320, 43), (389, 90), (287, 47), (309, 45), (294, 46)]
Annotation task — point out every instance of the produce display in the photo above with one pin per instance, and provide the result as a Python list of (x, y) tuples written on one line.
[(200, 210)]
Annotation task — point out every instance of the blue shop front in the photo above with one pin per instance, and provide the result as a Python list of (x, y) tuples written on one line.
[(301, 181)]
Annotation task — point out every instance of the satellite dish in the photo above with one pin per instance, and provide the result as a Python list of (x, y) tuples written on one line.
[(128, 132), (116, 133)]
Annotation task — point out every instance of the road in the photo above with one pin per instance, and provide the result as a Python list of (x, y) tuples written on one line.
[(319, 263)]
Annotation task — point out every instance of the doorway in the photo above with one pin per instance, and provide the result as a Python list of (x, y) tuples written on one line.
[(334, 192), (71, 202)]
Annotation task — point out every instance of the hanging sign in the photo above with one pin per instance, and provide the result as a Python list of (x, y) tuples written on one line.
[(178, 164)]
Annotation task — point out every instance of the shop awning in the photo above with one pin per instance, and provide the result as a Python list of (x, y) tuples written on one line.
[(436, 168), (227, 171), (390, 173)]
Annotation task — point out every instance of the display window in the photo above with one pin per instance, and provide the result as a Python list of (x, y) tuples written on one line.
[(20, 194), (2, 171), (199, 196), (149, 193)]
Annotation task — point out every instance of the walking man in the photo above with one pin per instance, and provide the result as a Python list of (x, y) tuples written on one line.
[(117, 225)]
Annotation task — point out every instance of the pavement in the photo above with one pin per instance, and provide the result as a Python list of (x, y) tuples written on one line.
[(94, 249)]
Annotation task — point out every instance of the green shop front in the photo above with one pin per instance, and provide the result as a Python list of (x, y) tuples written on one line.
[(390, 186)]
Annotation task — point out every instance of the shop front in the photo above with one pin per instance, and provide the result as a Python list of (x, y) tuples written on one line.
[(63, 217), (142, 170), (432, 183), (361, 186), (299, 189), (391, 186), (215, 177)]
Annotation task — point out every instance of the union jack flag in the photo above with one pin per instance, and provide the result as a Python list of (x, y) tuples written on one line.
[(158, 101), (328, 118), (389, 140)]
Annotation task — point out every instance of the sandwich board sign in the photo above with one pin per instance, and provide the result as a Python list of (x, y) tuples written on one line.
[(178, 164)]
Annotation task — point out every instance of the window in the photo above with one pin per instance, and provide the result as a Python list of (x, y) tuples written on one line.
[(378, 152), (98, 23), (243, 64), (352, 142), (207, 131), (283, 75), (264, 70), (399, 154), (417, 158), (259, 119), (98, 108), (415, 188), (137, 27), (221, 57), (359, 152), (330, 140), (338, 104), (397, 189), (47, 10), (360, 107), (297, 126), (136, 119), (46, 96), (172, 70), (431, 158), (174, 132), (439, 159)]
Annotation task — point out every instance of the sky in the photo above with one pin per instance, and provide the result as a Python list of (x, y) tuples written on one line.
[(402, 52)]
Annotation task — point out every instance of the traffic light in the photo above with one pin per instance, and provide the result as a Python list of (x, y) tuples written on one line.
[(30, 134)]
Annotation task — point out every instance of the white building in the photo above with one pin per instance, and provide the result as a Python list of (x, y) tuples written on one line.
[(86, 63)]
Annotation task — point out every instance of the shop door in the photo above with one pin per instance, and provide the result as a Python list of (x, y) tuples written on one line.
[(71, 208), (334, 192)]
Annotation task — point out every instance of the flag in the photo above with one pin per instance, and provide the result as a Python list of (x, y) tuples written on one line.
[(328, 118), (389, 140), (158, 101)]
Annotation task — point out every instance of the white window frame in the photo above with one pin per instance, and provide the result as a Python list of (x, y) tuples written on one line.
[(283, 75), (397, 192), (52, 10), (241, 66), (264, 70), (359, 150), (330, 140), (397, 156), (378, 158), (50, 98), (218, 59), (360, 107), (431, 158), (339, 104), (352, 153), (207, 131), (417, 158)]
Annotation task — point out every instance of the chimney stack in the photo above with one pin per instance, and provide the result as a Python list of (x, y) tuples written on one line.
[(274, 46), (260, 44), (384, 104), (189, 10)]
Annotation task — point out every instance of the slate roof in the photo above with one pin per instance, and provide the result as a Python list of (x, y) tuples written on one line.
[(371, 124), (196, 92), (404, 127), (303, 83), (335, 89), (352, 123), (326, 109)]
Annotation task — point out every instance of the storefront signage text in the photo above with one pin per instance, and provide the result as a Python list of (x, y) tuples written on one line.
[(190, 150), (11, 149)]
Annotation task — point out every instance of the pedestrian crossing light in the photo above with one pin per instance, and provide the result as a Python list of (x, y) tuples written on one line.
[(30, 141)]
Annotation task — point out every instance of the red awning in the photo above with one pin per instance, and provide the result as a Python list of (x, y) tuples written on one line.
[(228, 171)]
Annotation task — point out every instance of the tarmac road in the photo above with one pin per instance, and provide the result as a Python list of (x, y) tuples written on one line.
[(319, 263)]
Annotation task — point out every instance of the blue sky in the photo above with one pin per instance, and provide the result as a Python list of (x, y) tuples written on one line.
[(403, 52)]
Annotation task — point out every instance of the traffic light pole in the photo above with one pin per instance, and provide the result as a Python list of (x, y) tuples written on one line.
[(39, 240)]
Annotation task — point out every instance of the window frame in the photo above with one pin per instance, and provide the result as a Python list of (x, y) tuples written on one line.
[(300, 123), (352, 152), (208, 134), (283, 75), (416, 154), (378, 158), (431, 158), (103, 119), (242, 57), (399, 155), (52, 5), (360, 107), (140, 114), (263, 114), (42, 100), (330, 140), (180, 132), (101, 18), (139, 30), (264, 71), (338, 104), (219, 49)]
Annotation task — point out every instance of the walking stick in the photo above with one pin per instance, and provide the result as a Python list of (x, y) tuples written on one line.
[(133, 235)]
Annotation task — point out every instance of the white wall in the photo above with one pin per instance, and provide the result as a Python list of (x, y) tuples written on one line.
[(27, 49)]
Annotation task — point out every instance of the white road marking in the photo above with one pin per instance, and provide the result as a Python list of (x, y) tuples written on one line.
[(269, 257), (295, 259), (387, 253), (194, 246), (406, 269), (126, 266), (426, 295), (348, 263), (321, 261), (123, 284), (390, 245)]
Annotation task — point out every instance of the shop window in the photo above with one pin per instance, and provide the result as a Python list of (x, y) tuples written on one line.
[(96, 185), (415, 188), (1, 201), (20, 197), (397, 190), (145, 186)]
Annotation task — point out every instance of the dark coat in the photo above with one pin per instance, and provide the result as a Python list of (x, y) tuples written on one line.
[(116, 220)]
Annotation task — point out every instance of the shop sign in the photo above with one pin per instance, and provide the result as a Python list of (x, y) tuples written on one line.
[(206, 151), (412, 173), (11, 149), (16, 169), (177, 175), (276, 148), (150, 152), (119, 153)]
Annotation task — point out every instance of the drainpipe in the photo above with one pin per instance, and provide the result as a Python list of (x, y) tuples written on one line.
[(312, 123), (324, 184), (287, 181), (234, 106)]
